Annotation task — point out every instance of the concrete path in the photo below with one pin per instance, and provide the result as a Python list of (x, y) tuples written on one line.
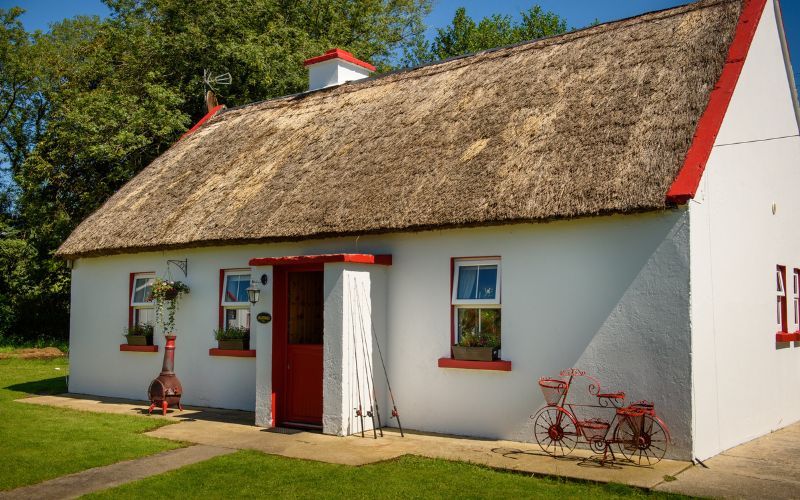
[(101, 478), (767, 467), (233, 429)]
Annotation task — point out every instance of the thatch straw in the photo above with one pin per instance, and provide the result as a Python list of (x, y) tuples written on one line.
[(592, 122)]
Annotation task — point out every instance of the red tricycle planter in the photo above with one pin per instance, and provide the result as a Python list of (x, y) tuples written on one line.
[(635, 430)]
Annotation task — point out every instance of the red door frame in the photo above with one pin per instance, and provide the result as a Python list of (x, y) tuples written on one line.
[(280, 305)]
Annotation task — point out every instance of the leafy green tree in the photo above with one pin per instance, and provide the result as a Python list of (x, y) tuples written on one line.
[(86, 105), (464, 36)]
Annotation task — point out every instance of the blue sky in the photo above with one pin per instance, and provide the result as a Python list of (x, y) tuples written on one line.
[(578, 13)]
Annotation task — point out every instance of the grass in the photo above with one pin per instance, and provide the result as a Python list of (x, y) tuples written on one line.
[(250, 474), (39, 443)]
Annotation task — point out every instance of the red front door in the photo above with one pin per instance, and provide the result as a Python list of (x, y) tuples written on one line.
[(303, 360)]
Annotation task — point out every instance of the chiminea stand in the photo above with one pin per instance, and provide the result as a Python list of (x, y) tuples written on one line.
[(165, 390)]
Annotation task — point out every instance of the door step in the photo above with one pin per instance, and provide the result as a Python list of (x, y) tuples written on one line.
[(302, 425)]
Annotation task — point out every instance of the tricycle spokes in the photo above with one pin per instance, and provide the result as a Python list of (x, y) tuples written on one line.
[(556, 431), (639, 434)]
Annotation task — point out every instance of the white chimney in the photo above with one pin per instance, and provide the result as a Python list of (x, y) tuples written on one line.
[(335, 67)]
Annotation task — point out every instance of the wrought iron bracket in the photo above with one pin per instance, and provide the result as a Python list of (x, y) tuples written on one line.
[(183, 265)]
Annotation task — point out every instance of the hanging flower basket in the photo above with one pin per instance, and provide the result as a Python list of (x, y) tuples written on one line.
[(166, 295)]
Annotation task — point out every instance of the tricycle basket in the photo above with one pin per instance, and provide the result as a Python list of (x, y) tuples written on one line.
[(595, 429), (553, 390), (633, 417)]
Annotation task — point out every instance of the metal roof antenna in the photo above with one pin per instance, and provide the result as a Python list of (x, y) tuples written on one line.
[(209, 82)]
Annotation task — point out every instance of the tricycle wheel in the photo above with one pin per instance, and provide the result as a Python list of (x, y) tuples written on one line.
[(555, 431), (643, 441)]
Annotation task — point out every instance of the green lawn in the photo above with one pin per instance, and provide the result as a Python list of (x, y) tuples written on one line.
[(249, 474), (39, 443)]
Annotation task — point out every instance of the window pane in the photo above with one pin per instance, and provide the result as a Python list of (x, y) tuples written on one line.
[(143, 290), (237, 318), (467, 321), (467, 282), (487, 282), (143, 316), (236, 287), (490, 321)]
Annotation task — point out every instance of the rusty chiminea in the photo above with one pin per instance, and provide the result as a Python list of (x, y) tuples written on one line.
[(166, 389)]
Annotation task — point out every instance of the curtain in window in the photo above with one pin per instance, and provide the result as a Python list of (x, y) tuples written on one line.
[(467, 282)]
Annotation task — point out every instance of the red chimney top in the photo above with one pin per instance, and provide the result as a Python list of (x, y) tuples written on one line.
[(340, 54)]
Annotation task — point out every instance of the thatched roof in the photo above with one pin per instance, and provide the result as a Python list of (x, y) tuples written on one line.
[(592, 122)]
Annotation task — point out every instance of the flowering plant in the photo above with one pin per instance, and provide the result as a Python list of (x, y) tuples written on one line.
[(139, 331), (473, 339), (166, 295), (232, 333)]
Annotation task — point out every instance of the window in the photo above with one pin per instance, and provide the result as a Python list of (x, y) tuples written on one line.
[(234, 304), (141, 305), (780, 274), (796, 297), (476, 297)]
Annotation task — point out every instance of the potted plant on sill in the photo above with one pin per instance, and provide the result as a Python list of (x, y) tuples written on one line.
[(477, 347), (235, 338), (139, 335)]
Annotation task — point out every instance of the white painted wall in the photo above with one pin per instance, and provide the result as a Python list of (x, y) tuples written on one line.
[(353, 376), (744, 383), (99, 314), (606, 294), (334, 72)]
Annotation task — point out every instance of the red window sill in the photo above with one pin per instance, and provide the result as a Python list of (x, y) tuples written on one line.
[(499, 365), (787, 337), (251, 353), (138, 348)]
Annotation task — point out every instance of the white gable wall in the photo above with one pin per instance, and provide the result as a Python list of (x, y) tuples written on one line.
[(745, 383)]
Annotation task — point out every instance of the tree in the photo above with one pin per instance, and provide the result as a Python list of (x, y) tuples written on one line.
[(87, 105), (464, 36)]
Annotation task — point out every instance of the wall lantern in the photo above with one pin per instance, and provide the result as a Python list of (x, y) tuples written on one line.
[(253, 293)]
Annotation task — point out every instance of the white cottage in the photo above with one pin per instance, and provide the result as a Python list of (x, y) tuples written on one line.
[(622, 199)]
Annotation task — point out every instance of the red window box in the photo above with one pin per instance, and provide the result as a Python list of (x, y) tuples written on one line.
[(499, 365), (138, 348), (250, 353)]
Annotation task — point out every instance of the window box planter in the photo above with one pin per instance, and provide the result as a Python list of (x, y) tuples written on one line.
[(475, 353), (787, 337), (234, 344), (139, 339)]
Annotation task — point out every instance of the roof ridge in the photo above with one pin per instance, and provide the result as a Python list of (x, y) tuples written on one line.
[(577, 34)]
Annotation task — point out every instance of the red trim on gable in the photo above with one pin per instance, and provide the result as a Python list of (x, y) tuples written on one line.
[(339, 54), (355, 258), (685, 184), (204, 119)]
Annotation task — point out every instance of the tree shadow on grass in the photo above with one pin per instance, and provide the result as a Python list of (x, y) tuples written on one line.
[(45, 387)]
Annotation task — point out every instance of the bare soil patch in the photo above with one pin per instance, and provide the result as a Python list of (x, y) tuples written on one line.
[(33, 353)]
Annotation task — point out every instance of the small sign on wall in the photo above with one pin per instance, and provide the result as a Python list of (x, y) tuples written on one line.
[(263, 317)]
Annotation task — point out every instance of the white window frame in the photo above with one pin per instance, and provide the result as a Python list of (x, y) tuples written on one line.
[(796, 296), (140, 305), (466, 262), (138, 276), (781, 297), (223, 300)]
